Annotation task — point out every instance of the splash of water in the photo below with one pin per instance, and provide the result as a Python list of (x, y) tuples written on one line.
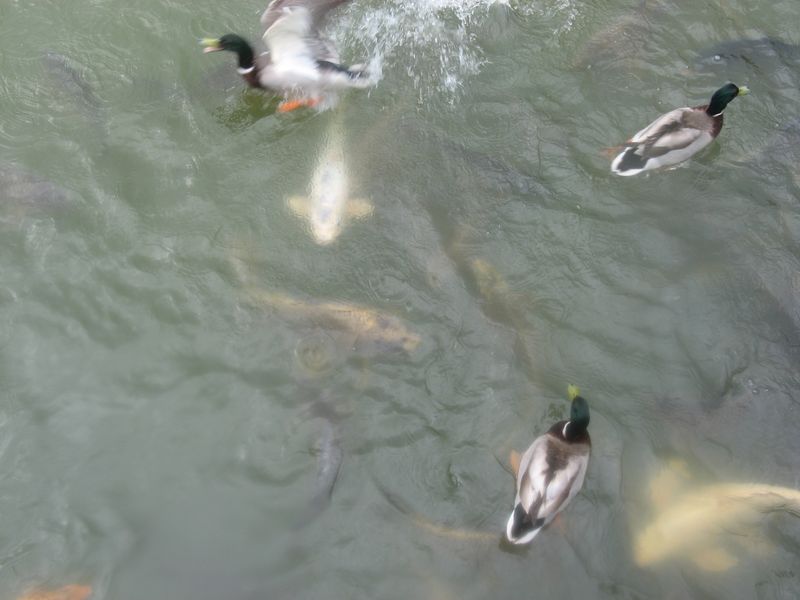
[(432, 40)]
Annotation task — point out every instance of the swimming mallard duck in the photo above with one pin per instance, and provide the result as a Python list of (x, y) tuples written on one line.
[(676, 135), (299, 62), (550, 473)]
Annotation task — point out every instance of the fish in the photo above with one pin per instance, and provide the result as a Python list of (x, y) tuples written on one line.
[(367, 324), (67, 592), (622, 40), (329, 461), (691, 525), (328, 205), (456, 534), (329, 456), (499, 302), (762, 54), (489, 281), (71, 82), (22, 191)]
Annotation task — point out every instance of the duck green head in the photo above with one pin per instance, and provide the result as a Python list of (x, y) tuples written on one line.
[(723, 96), (232, 43), (579, 411)]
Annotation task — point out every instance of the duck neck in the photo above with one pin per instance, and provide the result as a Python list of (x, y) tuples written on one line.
[(246, 58), (718, 104), (715, 110), (247, 67), (574, 430)]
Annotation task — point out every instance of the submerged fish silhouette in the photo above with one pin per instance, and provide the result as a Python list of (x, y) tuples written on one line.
[(328, 205), (68, 78), (329, 457), (329, 461), (763, 54), (691, 525), (367, 324), (22, 191), (71, 82)]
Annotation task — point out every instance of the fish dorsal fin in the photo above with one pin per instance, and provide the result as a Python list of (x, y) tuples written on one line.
[(665, 486), (713, 559), (513, 461), (299, 205), (358, 208)]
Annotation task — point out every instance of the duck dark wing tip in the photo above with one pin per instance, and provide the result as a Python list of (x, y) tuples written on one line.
[(522, 524)]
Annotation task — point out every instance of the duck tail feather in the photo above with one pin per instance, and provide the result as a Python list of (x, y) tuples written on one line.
[(521, 528)]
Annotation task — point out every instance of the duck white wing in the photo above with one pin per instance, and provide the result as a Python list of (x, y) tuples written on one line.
[(317, 8), (669, 140), (663, 124), (548, 480), (550, 475), (287, 41)]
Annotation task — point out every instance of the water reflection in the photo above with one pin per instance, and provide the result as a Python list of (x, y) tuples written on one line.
[(148, 378)]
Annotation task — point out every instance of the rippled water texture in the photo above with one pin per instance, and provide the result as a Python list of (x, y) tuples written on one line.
[(198, 401)]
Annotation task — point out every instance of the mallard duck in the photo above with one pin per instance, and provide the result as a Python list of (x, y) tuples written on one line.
[(676, 135), (299, 62), (550, 473)]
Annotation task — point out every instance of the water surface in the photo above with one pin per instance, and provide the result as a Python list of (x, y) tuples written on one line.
[(160, 434)]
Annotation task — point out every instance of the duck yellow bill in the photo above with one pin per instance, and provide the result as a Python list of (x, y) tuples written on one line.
[(743, 90), (211, 45)]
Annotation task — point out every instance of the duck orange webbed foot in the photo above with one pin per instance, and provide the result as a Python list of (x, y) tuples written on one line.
[(290, 105)]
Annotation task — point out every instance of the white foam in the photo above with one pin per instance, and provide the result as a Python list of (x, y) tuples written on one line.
[(432, 41)]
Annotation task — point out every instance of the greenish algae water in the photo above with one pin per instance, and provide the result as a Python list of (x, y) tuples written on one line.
[(159, 433)]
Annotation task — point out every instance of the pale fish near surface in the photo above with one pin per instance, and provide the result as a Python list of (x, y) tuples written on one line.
[(367, 324), (691, 525), (328, 205)]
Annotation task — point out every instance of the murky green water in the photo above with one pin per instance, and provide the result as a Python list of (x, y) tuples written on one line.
[(160, 431)]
